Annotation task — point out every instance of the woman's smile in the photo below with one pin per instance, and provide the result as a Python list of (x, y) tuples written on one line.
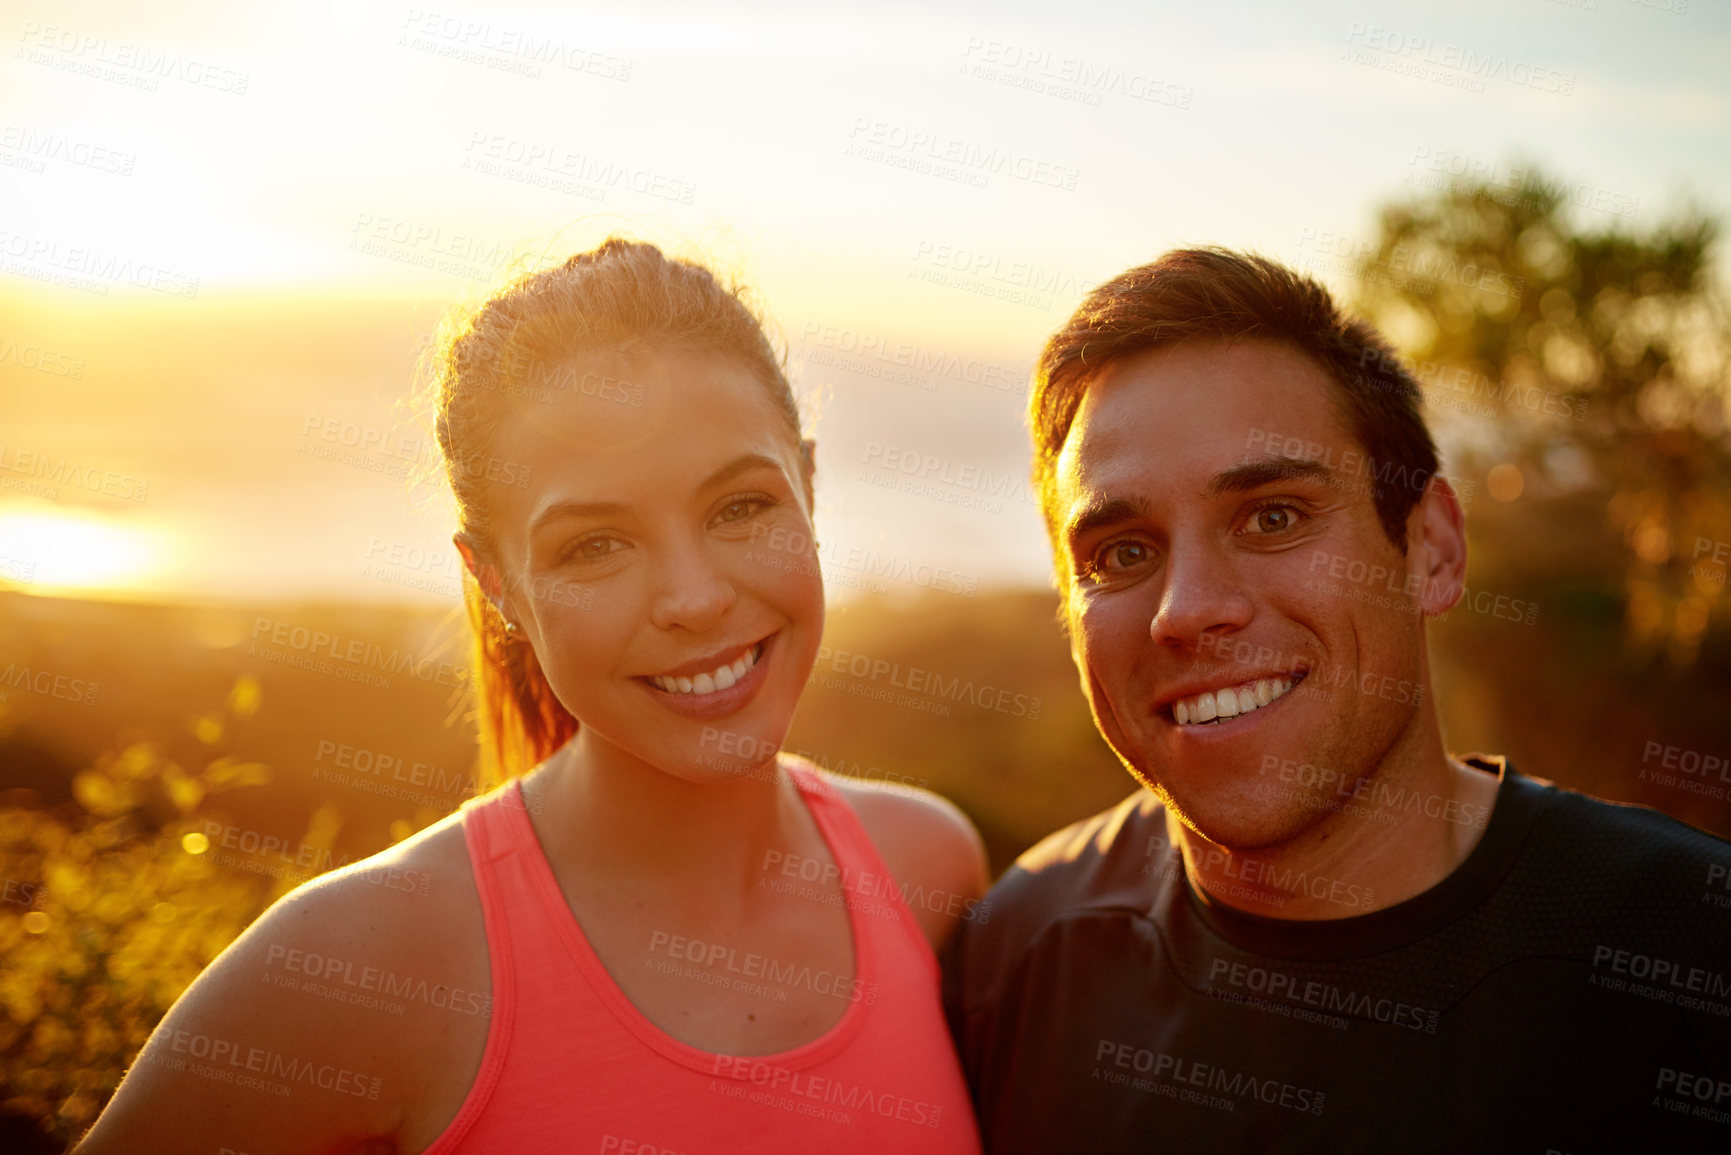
[(712, 688)]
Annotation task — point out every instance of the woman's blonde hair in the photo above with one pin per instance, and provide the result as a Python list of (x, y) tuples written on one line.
[(621, 297)]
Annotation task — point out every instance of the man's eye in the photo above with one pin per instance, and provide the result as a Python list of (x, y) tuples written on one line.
[(1274, 519), (1117, 558)]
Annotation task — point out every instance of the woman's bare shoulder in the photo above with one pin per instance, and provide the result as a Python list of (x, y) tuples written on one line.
[(930, 847), (399, 910), (354, 1010), (402, 886)]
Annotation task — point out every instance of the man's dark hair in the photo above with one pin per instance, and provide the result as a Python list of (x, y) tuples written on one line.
[(1220, 294)]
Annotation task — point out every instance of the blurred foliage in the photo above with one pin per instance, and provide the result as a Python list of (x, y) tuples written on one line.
[(1594, 356), (112, 907)]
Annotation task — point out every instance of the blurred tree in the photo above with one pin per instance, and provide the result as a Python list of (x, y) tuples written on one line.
[(111, 907), (1586, 359)]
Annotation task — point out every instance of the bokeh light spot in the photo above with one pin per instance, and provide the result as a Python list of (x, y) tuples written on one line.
[(1505, 482)]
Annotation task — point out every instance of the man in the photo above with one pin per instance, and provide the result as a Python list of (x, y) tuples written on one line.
[(1313, 929)]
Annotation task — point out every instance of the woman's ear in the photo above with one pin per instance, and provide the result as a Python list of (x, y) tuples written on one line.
[(486, 574), (808, 468)]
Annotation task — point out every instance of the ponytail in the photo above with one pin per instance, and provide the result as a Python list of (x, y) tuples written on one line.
[(521, 720)]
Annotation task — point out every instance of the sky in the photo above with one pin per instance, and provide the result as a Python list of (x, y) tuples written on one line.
[(226, 230)]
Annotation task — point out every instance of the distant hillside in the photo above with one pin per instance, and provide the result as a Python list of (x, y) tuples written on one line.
[(998, 722), (975, 698), (374, 682)]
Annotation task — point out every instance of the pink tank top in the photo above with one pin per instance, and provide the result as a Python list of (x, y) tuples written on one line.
[(571, 1065)]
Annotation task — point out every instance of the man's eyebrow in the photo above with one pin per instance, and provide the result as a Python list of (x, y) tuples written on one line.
[(739, 465), (1266, 471), (1102, 513)]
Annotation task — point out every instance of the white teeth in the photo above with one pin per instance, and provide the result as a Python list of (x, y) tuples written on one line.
[(1229, 702), (721, 678)]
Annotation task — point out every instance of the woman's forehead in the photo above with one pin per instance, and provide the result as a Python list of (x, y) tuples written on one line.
[(642, 430)]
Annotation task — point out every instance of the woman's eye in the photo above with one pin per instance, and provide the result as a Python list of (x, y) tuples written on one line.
[(740, 508), (593, 549)]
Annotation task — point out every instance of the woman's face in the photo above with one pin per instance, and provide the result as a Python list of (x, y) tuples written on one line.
[(658, 556)]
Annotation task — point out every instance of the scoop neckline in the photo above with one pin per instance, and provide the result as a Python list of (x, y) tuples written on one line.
[(607, 989), (1406, 922)]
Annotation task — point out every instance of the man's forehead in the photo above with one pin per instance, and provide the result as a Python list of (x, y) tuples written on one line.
[(1184, 414)]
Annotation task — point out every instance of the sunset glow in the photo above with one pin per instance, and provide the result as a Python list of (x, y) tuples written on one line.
[(64, 552)]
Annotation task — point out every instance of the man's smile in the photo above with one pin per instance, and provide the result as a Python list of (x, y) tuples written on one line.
[(1211, 707)]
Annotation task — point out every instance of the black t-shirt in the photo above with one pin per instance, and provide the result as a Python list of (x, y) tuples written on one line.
[(1567, 989)]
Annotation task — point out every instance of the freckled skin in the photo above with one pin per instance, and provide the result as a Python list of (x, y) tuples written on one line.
[(678, 573), (1158, 600)]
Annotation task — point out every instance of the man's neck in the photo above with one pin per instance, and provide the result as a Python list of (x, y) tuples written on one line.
[(1406, 830)]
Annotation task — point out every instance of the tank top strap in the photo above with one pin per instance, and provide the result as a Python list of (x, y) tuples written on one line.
[(864, 875), (503, 853), (492, 842)]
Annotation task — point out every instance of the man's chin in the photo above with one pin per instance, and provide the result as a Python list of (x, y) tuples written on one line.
[(1241, 822)]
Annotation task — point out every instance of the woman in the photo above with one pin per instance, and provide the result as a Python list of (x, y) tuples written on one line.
[(657, 935)]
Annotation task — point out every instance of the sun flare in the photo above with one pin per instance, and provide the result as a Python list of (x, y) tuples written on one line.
[(57, 551)]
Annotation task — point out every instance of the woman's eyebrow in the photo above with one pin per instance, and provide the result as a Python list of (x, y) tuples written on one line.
[(739, 465), (561, 509)]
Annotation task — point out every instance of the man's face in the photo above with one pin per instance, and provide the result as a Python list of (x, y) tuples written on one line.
[(1201, 563)]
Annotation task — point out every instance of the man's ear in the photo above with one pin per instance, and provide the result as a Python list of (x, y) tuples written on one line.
[(1437, 548)]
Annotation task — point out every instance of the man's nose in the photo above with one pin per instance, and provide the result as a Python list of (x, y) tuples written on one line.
[(1202, 595)]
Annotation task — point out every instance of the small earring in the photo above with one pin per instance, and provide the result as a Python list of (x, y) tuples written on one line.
[(511, 630)]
